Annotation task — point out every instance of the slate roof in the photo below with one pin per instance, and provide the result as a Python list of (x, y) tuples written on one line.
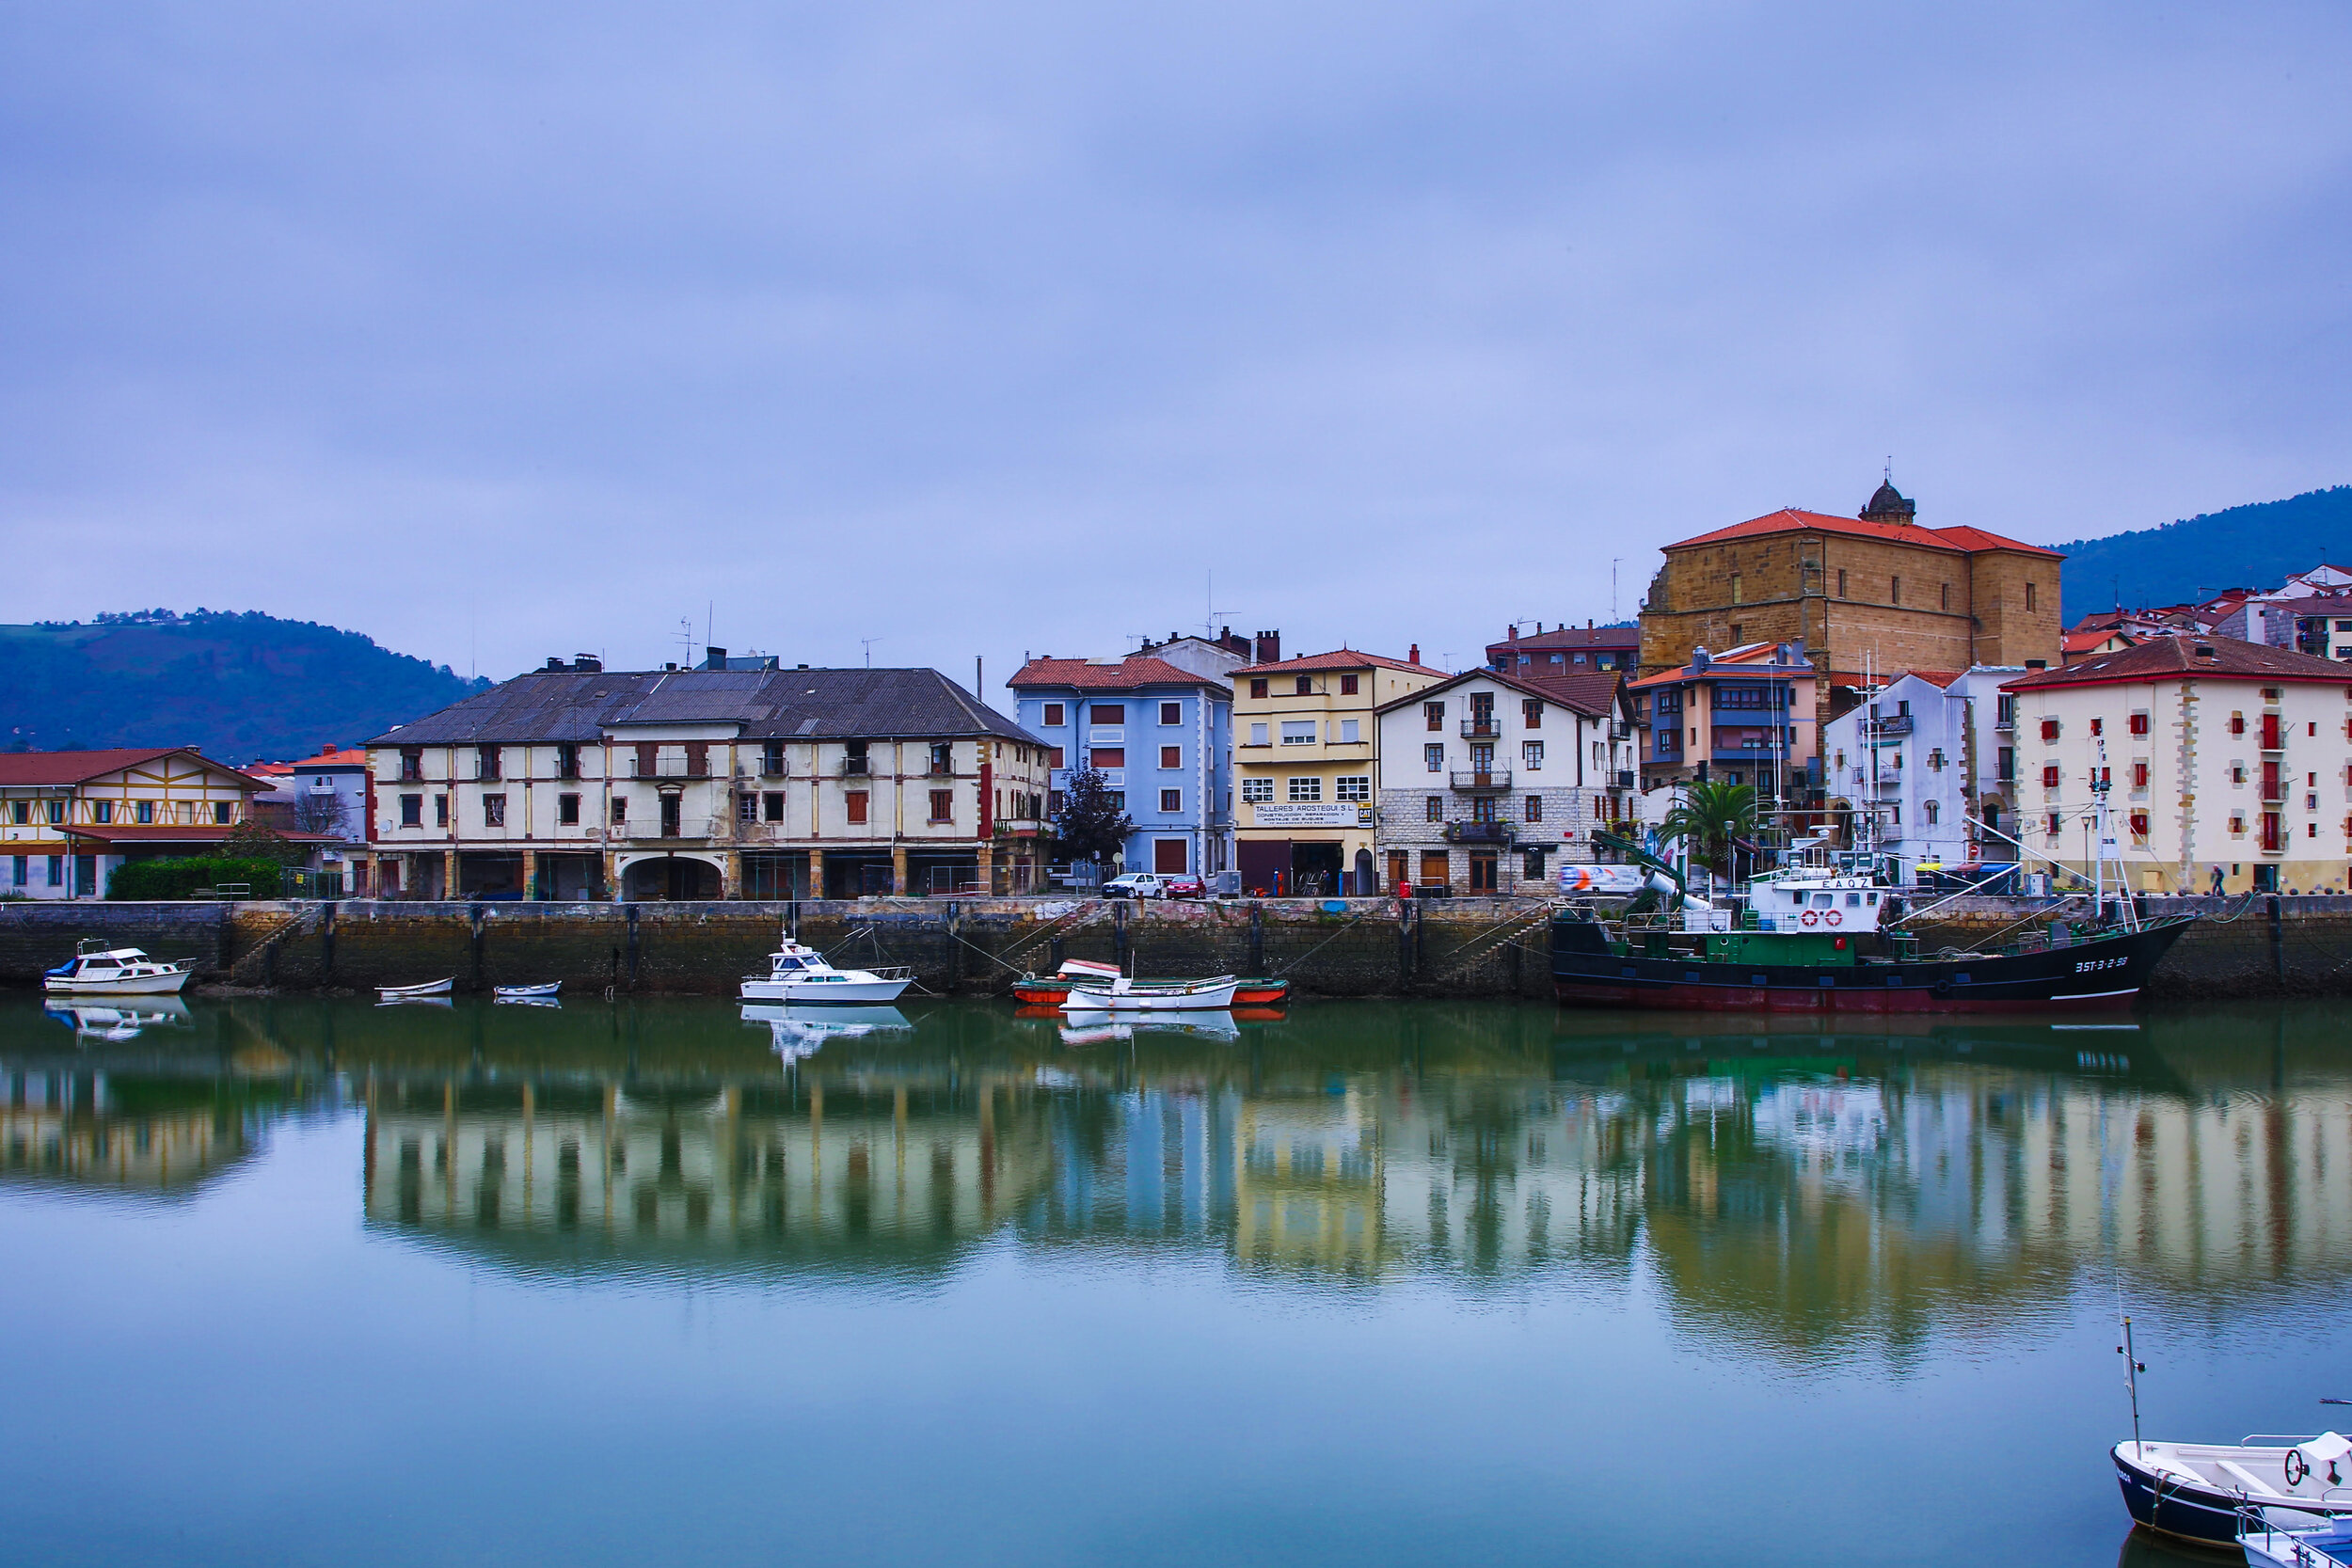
[(1789, 520), (1134, 671), (1562, 638), (2204, 657), (1592, 695), (767, 704), (71, 767)]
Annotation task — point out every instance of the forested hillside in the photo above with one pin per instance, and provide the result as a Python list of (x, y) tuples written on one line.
[(244, 688), (2246, 547)]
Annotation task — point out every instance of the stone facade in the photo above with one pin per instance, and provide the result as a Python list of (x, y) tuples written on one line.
[(1875, 591)]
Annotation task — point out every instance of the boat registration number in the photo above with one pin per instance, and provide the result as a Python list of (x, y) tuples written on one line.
[(2091, 966)]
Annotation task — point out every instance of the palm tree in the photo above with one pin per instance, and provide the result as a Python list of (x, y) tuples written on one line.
[(1711, 815)]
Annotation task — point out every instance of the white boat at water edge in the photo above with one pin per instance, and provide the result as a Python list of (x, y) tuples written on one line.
[(97, 970), (528, 993), (415, 992), (1125, 995), (802, 974)]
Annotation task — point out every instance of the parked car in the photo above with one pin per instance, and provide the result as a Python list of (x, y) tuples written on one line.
[(1186, 885), (1136, 884)]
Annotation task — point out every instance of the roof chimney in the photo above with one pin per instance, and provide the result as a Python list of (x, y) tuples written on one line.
[(588, 664), (1515, 635), (1415, 655), (1268, 649), (714, 658), (555, 662)]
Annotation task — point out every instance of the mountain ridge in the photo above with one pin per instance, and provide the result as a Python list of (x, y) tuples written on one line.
[(2252, 545)]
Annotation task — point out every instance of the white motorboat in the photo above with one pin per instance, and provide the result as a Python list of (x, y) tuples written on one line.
[(411, 993), (97, 970), (801, 974), (1126, 995)]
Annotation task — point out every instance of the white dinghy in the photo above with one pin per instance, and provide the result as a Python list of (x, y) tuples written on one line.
[(1125, 995), (413, 994)]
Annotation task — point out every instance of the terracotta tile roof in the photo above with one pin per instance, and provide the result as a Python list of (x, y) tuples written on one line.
[(2083, 642), (1338, 658), (1937, 677), (1134, 670), (71, 767), (2204, 657), (1790, 520), (1570, 637), (1749, 658)]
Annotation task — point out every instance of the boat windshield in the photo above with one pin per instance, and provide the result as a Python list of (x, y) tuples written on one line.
[(785, 960)]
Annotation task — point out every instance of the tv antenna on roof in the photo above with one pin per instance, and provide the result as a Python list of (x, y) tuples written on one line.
[(1208, 628), (867, 643)]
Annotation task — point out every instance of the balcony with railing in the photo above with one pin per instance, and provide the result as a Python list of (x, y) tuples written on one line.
[(1474, 778), (1893, 727), (1488, 728), (857, 768), (1482, 832)]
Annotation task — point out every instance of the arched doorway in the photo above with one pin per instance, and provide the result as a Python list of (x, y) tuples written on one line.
[(670, 876)]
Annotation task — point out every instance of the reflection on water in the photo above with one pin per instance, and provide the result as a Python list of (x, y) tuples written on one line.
[(1795, 1187)]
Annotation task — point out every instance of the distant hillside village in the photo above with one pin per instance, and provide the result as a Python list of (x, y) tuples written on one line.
[(1876, 681)]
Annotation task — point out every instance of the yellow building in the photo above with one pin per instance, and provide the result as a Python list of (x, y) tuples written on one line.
[(1307, 761)]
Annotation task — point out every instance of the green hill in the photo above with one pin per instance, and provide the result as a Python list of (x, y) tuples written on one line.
[(2246, 547), (244, 688)]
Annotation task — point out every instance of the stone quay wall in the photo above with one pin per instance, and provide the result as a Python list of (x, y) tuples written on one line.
[(2264, 946)]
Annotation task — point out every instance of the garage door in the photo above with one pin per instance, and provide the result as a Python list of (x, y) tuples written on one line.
[(1167, 854)]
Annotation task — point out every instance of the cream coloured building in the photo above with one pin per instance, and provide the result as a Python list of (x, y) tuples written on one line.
[(1306, 767), (2215, 754), (68, 819)]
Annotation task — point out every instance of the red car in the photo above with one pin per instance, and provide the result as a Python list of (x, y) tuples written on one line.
[(1186, 885)]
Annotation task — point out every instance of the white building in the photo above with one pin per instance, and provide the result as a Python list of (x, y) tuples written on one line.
[(1488, 780), (1932, 756), (2218, 756)]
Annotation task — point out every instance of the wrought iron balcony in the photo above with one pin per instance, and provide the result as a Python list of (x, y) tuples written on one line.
[(1482, 832), (1493, 778), (1481, 729), (1893, 727)]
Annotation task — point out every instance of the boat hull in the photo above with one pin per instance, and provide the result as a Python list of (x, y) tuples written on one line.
[(1249, 993), (834, 993), (2097, 974), (133, 985), (1200, 999)]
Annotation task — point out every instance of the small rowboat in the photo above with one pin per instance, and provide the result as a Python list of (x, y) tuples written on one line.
[(1151, 996), (407, 993), (1051, 991), (528, 993)]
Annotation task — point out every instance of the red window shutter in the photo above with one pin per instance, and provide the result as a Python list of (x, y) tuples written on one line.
[(2140, 723), (2237, 725), (2049, 729), (2139, 824), (2050, 777), (2140, 775)]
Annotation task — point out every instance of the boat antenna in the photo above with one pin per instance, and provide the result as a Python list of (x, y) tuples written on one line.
[(2133, 1367)]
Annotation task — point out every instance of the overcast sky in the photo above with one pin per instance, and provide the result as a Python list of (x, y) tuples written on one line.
[(496, 332)]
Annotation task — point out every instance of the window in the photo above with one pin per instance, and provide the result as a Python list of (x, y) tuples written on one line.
[(1171, 756), (943, 757), (747, 808), (2139, 824), (57, 871), (1933, 811), (1109, 756), (1304, 686), (1258, 687), (771, 759), (2005, 764), (1483, 874), (412, 811), (440, 811), (2140, 775), (853, 803), (567, 811), (220, 811), (1943, 596), (411, 764), (2237, 724), (1351, 731), (1307, 788), (1258, 736), (2052, 826), (1054, 717), (771, 805), (141, 811), (942, 805), (1256, 790), (2237, 822), (1171, 713), (1736, 597), (1531, 712), (1298, 732), (2029, 596), (1533, 811), (1841, 582), (2138, 723), (1347, 685), (1107, 713), (2050, 777), (1531, 754), (1352, 787), (1172, 799), (1053, 757), (101, 811), (486, 762), (1432, 808), (2098, 726), (2049, 729), (1482, 809), (1895, 589), (1935, 760), (493, 811), (1433, 758), (2004, 711), (1432, 715), (620, 810)]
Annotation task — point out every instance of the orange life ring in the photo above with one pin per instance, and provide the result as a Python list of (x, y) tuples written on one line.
[(1833, 917), (1810, 917)]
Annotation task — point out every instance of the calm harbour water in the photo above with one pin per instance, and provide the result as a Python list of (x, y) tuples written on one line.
[(320, 1282)]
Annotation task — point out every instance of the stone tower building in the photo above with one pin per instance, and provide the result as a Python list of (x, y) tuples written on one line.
[(1877, 591)]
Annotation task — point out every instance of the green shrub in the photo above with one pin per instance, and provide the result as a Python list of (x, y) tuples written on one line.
[(179, 877)]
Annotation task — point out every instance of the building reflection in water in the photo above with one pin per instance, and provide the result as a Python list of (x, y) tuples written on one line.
[(1790, 1186)]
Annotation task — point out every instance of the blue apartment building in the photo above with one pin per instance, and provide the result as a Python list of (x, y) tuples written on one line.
[(1158, 726)]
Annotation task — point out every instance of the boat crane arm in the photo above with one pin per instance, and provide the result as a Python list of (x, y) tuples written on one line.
[(1672, 879)]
